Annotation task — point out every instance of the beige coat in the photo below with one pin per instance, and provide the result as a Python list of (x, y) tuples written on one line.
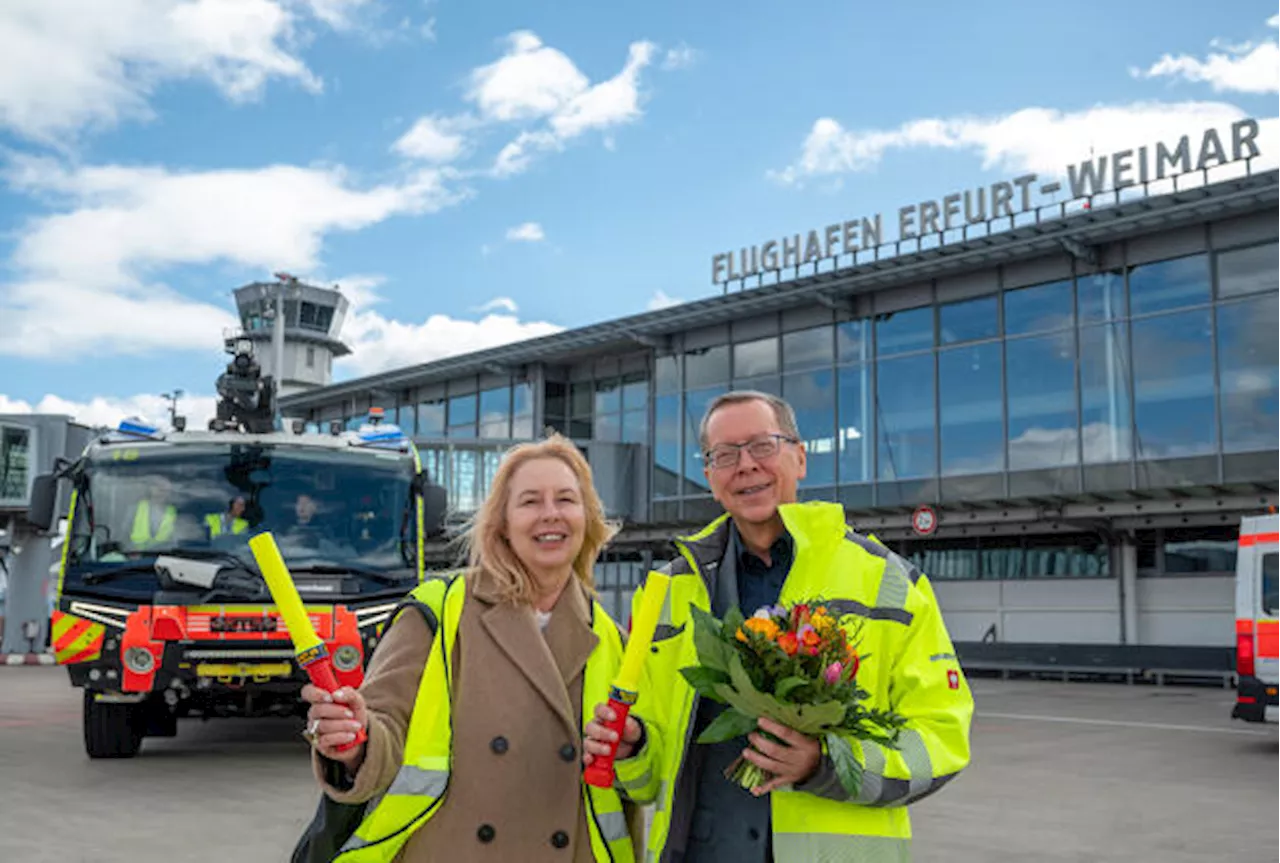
[(515, 790)]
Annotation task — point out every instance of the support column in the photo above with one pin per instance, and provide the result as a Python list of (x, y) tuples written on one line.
[(1127, 579)]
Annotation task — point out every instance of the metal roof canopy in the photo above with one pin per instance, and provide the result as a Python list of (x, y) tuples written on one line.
[(1090, 227)]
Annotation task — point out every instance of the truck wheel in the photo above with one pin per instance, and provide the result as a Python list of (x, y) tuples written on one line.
[(111, 730)]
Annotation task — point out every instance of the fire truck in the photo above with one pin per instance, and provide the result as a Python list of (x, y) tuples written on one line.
[(161, 612), (1257, 612)]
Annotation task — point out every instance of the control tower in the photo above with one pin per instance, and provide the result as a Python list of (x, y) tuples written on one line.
[(294, 327)]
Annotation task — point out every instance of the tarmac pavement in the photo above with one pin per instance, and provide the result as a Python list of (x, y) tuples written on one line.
[(1061, 772)]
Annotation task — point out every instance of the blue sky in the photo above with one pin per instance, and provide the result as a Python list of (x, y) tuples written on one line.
[(171, 150)]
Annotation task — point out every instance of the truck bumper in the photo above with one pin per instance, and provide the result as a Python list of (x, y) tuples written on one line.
[(1256, 701)]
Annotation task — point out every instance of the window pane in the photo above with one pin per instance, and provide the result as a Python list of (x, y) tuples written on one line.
[(1038, 309), (1100, 297), (1270, 584), (666, 374), (522, 427), (1041, 388), (635, 393), (462, 416), (494, 413), (1247, 271), (768, 384), (431, 419), (666, 445), (696, 403), (1199, 550), (522, 396), (406, 419), (1248, 374), (969, 401), (608, 427), (15, 453), (813, 396), (1055, 557), (854, 437), (1173, 385), (1104, 394), (900, 332), (581, 396), (1169, 284), (807, 349), (755, 358), (608, 396), (635, 426), (853, 341), (971, 320), (706, 366), (905, 414)]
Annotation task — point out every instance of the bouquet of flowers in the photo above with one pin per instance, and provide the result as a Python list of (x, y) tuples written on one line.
[(797, 666)]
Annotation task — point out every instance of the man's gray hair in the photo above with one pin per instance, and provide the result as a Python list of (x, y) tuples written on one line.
[(782, 412)]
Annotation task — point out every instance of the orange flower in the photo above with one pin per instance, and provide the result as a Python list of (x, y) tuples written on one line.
[(760, 625), (787, 641)]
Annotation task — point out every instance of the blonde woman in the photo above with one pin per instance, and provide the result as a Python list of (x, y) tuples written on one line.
[(480, 757)]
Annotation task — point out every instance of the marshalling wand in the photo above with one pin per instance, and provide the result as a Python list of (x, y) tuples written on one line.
[(625, 689), (311, 652)]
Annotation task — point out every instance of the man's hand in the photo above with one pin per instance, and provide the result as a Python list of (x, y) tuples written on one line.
[(790, 762), (597, 738)]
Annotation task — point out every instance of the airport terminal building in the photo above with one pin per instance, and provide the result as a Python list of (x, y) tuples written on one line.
[(1059, 412)]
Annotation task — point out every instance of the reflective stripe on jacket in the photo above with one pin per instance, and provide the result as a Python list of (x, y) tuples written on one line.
[(422, 782), (909, 665)]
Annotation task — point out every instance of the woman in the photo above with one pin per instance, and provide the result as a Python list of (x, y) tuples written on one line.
[(480, 757)]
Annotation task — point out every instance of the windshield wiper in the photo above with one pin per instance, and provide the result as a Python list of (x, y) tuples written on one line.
[(131, 568), (347, 569)]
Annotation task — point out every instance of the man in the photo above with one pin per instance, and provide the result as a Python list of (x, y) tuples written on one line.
[(154, 518), (766, 549), (232, 521)]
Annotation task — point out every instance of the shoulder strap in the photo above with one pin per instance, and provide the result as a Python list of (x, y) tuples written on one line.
[(428, 599)]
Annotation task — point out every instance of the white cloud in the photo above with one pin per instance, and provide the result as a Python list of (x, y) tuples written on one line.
[(88, 274), (660, 300), (531, 80), (1246, 68), (379, 343), (1041, 140), (66, 65), (681, 57), (498, 303), (529, 232), (109, 410), (433, 139)]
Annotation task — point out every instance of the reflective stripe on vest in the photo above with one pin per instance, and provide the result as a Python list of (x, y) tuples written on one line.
[(423, 779), (141, 534)]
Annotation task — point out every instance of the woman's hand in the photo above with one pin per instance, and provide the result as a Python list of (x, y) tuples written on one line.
[(597, 738), (333, 721)]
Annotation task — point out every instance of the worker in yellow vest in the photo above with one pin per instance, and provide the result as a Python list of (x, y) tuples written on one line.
[(232, 521), (154, 517), (767, 550)]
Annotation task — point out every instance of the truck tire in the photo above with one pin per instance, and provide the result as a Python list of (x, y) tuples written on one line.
[(111, 730)]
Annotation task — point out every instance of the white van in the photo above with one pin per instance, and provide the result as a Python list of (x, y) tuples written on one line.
[(1257, 640)]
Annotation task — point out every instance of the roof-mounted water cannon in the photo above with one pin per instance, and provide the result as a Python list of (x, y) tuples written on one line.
[(244, 395)]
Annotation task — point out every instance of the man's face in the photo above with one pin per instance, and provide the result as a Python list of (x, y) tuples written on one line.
[(751, 490), (304, 508)]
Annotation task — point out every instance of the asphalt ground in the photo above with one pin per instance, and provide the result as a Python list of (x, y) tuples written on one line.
[(1061, 772)]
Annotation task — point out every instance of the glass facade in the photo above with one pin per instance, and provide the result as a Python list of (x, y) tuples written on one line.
[(15, 463)]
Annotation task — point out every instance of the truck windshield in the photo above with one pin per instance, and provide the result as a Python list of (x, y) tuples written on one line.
[(326, 508)]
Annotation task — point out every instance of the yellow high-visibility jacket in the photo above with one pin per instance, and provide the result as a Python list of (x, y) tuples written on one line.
[(141, 535), (910, 666), (423, 779)]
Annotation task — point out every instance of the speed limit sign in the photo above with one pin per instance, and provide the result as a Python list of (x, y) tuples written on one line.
[(924, 520)]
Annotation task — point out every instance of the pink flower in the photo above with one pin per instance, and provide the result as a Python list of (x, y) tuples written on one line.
[(833, 672)]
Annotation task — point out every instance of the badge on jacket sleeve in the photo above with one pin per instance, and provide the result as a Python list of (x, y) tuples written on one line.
[(953, 678)]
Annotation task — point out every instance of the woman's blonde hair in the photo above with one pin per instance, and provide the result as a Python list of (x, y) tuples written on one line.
[(486, 541)]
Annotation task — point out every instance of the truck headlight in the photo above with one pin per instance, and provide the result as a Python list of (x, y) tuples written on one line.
[(346, 658), (139, 660)]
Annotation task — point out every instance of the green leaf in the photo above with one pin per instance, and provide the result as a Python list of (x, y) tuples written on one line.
[(712, 652), (727, 726), (848, 770), (704, 680), (787, 685), (811, 719), (733, 620)]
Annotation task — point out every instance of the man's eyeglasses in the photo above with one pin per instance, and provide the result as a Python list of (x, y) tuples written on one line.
[(729, 454)]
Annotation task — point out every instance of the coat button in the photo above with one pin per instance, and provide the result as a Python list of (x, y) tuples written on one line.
[(560, 839), (498, 744), (567, 752), (485, 833)]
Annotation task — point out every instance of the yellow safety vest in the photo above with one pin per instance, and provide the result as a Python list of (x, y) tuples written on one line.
[(214, 520), (909, 665), (420, 786), (141, 533)]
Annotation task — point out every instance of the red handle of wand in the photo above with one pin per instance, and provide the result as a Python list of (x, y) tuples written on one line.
[(600, 773), (319, 668)]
